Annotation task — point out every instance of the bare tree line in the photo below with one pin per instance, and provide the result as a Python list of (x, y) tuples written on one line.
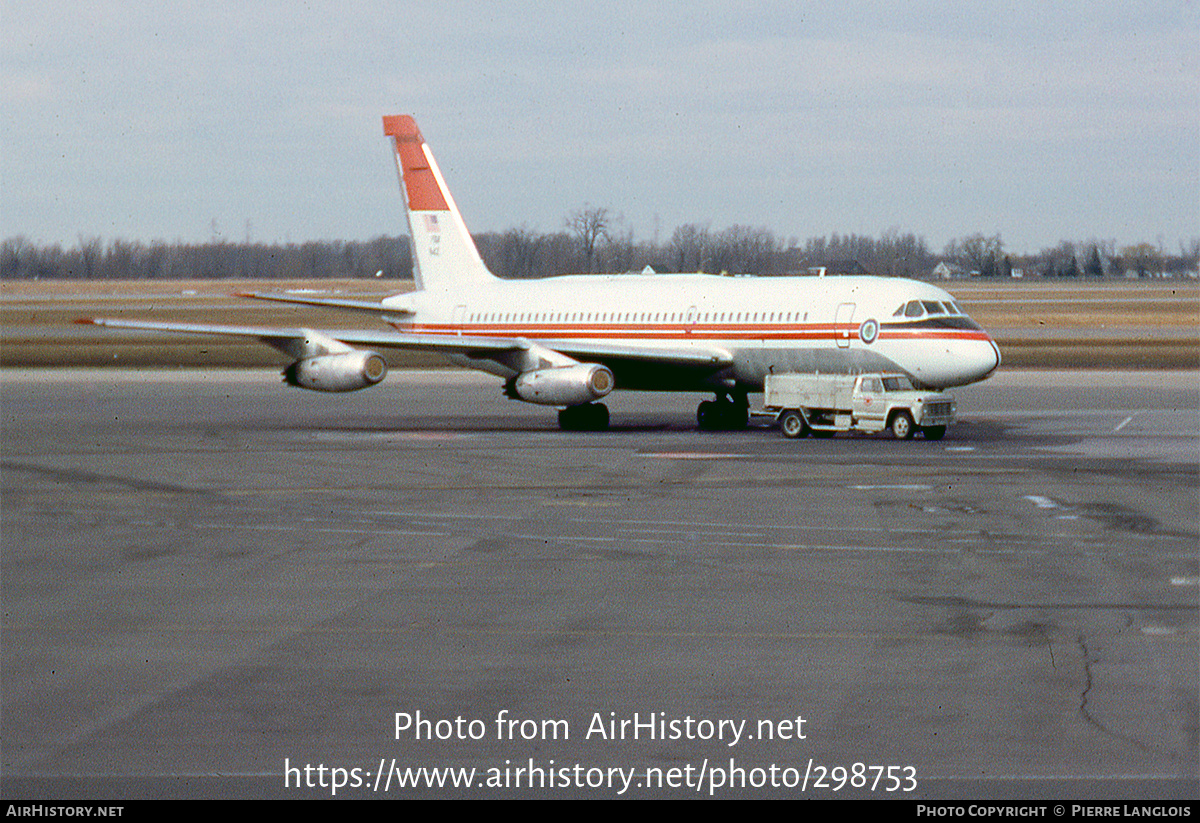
[(985, 256), (92, 259), (593, 240)]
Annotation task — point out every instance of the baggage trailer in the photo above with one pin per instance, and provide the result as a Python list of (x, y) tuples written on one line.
[(826, 404)]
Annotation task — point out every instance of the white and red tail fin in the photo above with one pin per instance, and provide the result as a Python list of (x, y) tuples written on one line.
[(444, 255)]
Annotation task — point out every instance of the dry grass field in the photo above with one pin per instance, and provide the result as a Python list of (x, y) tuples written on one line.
[(1123, 324), (1119, 324)]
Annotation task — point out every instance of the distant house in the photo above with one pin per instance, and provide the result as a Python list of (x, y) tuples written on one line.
[(947, 271)]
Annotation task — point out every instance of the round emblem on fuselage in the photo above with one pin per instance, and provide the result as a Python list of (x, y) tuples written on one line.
[(868, 331)]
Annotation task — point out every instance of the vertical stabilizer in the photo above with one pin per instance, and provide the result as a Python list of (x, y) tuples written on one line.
[(444, 255)]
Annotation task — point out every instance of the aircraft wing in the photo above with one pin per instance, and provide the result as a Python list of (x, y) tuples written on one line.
[(601, 352), (287, 340), (282, 338)]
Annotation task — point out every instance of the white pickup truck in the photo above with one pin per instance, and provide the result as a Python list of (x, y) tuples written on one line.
[(826, 404)]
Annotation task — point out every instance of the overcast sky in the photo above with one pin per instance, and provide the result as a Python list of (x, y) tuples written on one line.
[(1038, 121)]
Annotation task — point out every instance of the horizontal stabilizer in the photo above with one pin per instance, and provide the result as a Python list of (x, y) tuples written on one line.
[(373, 307)]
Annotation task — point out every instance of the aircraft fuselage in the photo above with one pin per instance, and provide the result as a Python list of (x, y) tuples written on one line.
[(837, 324)]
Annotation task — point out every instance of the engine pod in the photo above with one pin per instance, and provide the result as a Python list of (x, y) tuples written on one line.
[(337, 372), (564, 385)]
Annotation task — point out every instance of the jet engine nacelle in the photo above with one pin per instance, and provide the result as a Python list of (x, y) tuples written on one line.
[(563, 385), (337, 372)]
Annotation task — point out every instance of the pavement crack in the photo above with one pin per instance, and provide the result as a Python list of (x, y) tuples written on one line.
[(1085, 697)]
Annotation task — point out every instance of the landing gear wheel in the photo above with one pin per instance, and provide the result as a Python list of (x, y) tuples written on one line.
[(737, 415), (934, 432), (585, 417), (793, 425), (723, 414), (902, 426)]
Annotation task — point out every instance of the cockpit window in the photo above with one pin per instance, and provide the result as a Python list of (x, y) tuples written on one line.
[(898, 312), (933, 307), (913, 309), (950, 307)]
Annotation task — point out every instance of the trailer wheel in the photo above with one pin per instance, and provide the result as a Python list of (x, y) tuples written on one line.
[(902, 425), (934, 432), (793, 425)]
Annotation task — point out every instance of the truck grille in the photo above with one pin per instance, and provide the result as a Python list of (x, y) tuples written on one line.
[(938, 409)]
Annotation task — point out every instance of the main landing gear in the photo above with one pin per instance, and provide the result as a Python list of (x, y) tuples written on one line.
[(724, 413), (587, 417)]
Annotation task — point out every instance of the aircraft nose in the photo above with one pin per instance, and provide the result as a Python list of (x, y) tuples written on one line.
[(981, 358), (959, 363)]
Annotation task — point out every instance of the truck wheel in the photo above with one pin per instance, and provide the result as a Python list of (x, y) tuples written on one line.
[(934, 432), (792, 425), (902, 425)]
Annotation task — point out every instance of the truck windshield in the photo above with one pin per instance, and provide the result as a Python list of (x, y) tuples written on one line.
[(897, 384)]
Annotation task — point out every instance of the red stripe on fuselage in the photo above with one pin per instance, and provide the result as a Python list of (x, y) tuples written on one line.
[(675, 332), (933, 334)]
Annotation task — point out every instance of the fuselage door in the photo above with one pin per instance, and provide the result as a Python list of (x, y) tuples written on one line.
[(689, 320), (842, 325)]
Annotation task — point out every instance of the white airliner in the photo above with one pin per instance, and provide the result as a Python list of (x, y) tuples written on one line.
[(569, 341)]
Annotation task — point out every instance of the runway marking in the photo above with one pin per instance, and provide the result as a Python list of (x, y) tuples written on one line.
[(1185, 581), (1159, 631), (907, 486), (576, 539), (601, 503), (709, 526), (683, 533), (263, 528), (439, 628), (387, 436), (693, 455), (720, 529), (451, 516), (956, 540), (1123, 423), (960, 448), (1041, 502)]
